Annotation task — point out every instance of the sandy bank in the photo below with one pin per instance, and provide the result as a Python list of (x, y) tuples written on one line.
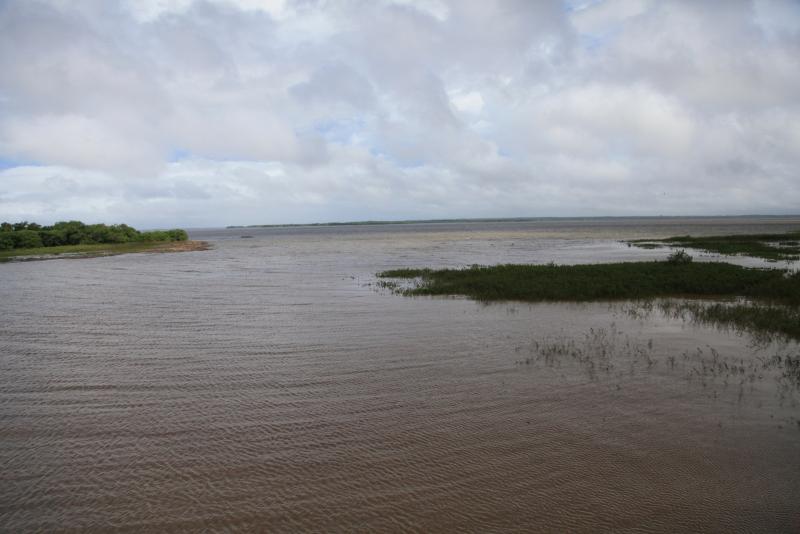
[(116, 249)]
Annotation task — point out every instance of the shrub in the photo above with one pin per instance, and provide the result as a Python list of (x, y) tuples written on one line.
[(177, 234), (52, 238), (154, 235), (32, 235), (26, 239), (679, 257), (6, 242)]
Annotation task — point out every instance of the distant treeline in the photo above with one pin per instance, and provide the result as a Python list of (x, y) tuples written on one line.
[(517, 219), (32, 235)]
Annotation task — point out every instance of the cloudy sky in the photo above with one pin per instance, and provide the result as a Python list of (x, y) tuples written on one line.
[(213, 112)]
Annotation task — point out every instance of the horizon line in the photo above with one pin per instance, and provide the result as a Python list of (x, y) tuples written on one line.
[(504, 219)]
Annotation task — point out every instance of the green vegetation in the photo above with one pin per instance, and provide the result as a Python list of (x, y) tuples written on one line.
[(612, 281), (679, 257), (772, 305), (26, 240), (772, 247), (25, 235)]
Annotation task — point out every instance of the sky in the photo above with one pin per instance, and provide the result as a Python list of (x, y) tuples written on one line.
[(198, 113)]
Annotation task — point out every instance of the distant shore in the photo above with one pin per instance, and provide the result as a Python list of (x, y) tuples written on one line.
[(513, 219), (98, 250)]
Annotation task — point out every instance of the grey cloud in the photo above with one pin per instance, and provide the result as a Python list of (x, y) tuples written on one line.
[(335, 83), (410, 108)]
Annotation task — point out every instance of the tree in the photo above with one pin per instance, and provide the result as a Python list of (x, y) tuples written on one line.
[(6, 241), (26, 239), (29, 235)]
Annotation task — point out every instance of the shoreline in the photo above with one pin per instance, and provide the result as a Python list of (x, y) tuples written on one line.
[(111, 250)]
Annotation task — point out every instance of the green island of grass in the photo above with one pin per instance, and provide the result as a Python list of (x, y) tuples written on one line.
[(26, 241), (760, 301), (771, 247)]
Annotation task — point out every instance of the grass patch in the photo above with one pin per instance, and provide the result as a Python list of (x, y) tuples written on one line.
[(772, 306), (772, 296), (404, 273), (772, 247), (613, 281)]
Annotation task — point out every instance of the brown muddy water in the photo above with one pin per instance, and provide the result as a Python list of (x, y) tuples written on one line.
[(270, 385)]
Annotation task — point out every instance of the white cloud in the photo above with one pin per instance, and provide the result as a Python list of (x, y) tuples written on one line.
[(607, 15), (471, 102), (80, 142), (150, 10)]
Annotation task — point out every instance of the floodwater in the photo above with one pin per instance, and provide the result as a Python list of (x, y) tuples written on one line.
[(270, 384)]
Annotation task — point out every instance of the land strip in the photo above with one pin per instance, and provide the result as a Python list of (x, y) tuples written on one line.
[(99, 249)]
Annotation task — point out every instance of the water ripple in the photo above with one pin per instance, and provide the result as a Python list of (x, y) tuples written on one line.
[(264, 386)]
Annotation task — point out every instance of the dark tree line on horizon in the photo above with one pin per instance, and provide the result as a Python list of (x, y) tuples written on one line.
[(32, 235)]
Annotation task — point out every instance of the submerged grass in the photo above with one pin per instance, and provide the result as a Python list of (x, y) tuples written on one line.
[(608, 355), (772, 247), (760, 320)]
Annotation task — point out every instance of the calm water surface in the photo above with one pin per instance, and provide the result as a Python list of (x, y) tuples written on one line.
[(269, 384)]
